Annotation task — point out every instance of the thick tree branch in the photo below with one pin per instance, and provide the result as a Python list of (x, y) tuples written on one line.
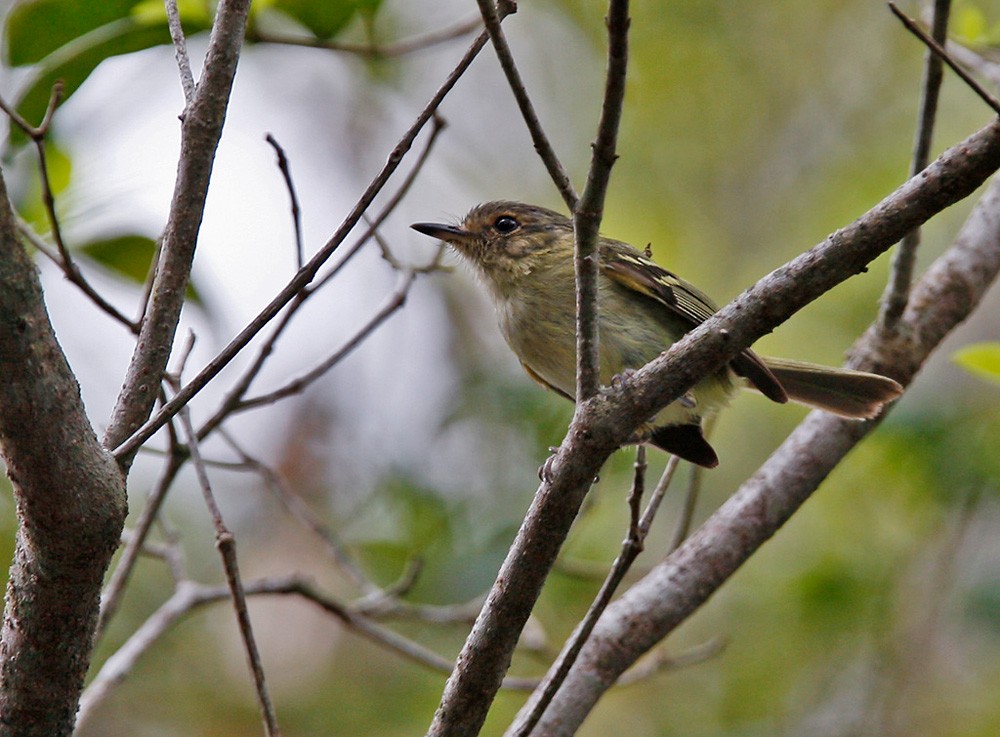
[(605, 422), (674, 589), (71, 507), (200, 133)]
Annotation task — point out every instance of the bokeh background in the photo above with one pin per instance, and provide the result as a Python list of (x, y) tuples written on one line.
[(751, 131)]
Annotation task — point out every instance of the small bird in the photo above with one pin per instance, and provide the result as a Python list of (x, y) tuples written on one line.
[(523, 254)]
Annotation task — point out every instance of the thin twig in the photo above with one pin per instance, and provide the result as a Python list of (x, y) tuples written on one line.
[(308, 272), (659, 660), (115, 589), (226, 544), (375, 51), (904, 260), (376, 602), (201, 130), (392, 305), (286, 174), (180, 50), (934, 46), (299, 510), (542, 145), (438, 124), (62, 259), (242, 385), (587, 215), (682, 527)]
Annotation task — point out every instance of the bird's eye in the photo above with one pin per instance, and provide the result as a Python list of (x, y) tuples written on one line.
[(505, 224)]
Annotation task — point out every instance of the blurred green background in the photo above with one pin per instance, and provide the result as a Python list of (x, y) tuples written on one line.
[(751, 131)]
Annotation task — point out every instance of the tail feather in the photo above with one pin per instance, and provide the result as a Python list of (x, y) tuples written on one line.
[(853, 394)]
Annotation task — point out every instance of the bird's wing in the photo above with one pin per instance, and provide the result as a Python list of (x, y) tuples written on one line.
[(623, 264)]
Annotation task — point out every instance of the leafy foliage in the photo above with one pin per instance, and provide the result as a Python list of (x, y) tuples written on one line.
[(981, 359), (328, 19)]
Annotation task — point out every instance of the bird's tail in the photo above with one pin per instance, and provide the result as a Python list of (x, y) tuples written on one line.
[(853, 394)]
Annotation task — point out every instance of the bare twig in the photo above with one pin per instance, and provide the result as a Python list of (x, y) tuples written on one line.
[(659, 660), (589, 210), (62, 258), (392, 305), (286, 174), (236, 393), (375, 51), (376, 602), (226, 544), (299, 510), (904, 260), (115, 589), (128, 446), (939, 50), (180, 50), (542, 145), (683, 525)]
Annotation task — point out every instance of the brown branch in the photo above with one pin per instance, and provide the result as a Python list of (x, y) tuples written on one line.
[(604, 423), (226, 544), (633, 544), (589, 210), (904, 260), (61, 257), (939, 50), (286, 174), (941, 300), (180, 50), (200, 132), (71, 507), (115, 589)]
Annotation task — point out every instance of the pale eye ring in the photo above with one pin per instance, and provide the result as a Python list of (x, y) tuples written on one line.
[(505, 225)]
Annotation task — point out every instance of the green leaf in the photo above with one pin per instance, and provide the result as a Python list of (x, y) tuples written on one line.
[(130, 256), (36, 28), (74, 61), (980, 359), (324, 19)]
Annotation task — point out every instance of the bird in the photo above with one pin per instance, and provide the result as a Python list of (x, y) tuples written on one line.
[(524, 256)]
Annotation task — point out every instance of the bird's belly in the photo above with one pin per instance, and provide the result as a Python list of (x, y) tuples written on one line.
[(547, 348)]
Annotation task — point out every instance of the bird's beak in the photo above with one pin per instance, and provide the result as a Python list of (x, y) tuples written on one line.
[(447, 233)]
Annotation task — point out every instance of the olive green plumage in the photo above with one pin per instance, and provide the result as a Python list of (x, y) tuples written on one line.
[(524, 256)]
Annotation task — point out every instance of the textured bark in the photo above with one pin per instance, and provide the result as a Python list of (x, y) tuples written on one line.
[(71, 505)]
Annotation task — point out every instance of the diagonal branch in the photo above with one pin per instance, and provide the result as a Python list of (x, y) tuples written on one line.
[(606, 421)]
